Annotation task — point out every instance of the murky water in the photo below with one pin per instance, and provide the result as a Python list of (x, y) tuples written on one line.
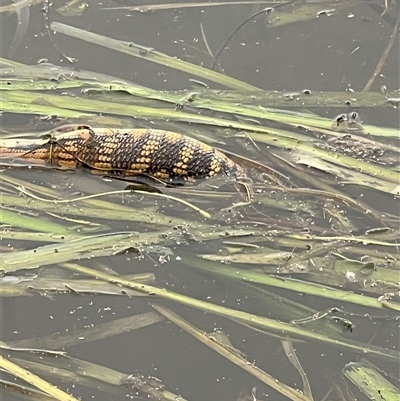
[(337, 53)]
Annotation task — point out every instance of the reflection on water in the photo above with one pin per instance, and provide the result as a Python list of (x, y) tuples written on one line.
[(282, 240)]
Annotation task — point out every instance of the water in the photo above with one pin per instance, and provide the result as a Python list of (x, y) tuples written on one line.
[(329, 53)]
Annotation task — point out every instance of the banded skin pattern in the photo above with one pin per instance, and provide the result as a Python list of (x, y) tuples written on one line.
[(161, 154)]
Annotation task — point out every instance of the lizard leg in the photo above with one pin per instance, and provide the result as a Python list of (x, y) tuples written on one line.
[(69, 132)]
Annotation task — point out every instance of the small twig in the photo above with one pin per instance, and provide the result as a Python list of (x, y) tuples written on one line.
[(205, 41), (266, 10), (384, 56)]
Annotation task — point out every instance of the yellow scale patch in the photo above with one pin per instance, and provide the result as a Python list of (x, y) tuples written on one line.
[(108, 149), (110, 146), (71, 146), (63, 156), (172, 136), (215, 167), (68, 163), (161, 174), (105, 166), (148, 148), (139, 168), (186, 154)]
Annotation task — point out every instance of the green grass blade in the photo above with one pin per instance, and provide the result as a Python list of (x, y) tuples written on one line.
[(371, 382), (150, 54), (291, 284), (15, 219)]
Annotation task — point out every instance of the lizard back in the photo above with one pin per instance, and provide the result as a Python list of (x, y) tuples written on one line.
[(161, 154)]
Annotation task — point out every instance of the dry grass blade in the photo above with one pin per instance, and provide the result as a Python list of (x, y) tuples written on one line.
[(35, 380), (291, 355), (23, 392), (158, 7), (93, 333), (15, 286), (238, 360)]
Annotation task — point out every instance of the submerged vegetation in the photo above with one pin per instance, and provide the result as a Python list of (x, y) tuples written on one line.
[(317, 217)]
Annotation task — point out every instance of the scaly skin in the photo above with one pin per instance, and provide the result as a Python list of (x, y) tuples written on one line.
[(161, 154)]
